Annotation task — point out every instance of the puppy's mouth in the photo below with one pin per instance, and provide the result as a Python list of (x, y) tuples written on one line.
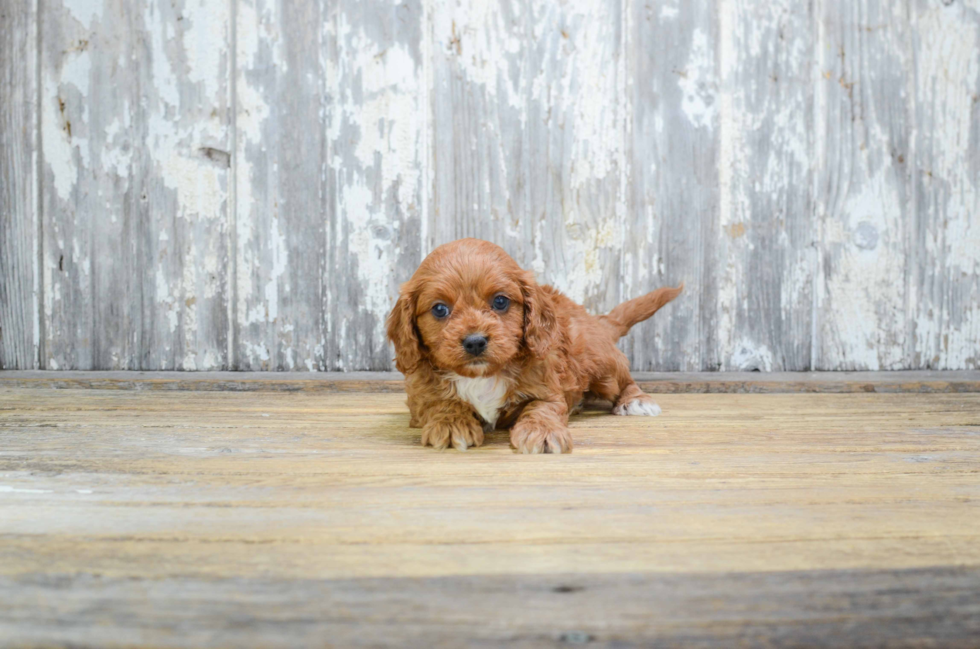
[(477, 366)]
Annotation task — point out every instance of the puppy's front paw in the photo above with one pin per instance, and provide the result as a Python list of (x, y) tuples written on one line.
[(460, 433), (641, 406), (531, 437)]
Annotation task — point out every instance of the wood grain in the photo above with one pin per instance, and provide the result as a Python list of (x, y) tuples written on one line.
[(92, 210), (760, 250), (18, 186), (243, 184), (864, 190), (378, 151), (895, 608), (477, 80), (944, 286), (673, 166), (807, 519), (135, 132), (285, 190), (576, 116), (925, 382)]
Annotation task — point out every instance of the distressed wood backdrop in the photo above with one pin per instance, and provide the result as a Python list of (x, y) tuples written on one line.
[(242, 184)]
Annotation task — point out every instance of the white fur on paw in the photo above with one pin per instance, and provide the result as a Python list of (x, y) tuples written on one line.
[(637, 407)]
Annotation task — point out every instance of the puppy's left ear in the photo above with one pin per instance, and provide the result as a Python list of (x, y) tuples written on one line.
[(402, 332), (540, 323)]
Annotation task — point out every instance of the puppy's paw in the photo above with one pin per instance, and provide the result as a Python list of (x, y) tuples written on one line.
[(531, 437), (459, 433), (639, 406)]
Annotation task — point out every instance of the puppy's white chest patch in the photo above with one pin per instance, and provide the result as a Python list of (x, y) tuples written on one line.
[(486, 394)]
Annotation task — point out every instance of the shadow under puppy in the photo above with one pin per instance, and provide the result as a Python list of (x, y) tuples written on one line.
[(483, 346)]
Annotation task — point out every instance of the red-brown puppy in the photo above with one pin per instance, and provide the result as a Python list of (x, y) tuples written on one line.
[(483, 346)]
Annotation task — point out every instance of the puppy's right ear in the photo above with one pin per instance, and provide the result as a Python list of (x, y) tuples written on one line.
[(402, 332)]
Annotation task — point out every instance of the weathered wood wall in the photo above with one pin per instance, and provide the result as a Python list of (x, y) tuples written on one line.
[(242, 184)]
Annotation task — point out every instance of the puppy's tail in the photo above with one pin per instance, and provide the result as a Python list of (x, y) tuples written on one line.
[(623, 317)]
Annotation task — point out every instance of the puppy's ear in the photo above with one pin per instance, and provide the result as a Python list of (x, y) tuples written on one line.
[(402, 332), (540, 323)]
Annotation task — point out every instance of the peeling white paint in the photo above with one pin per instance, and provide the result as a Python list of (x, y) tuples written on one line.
[(206, 24), (59, 154), (547, 81), (85, 11), (947, 332), (750, 357), (867, 283), (697, 82)]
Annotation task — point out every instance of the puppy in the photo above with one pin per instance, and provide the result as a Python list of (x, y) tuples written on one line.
[(483, 346)]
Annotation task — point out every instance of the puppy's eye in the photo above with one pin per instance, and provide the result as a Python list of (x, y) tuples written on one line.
[(501, 302), (440, 311)]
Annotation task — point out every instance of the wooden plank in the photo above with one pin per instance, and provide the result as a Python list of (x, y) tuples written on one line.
[(135, 185), (575, 130), (759, 261), (378, 148), (285, 193), (91, 198), (863, 189), (964, 381), (269, 518), (944, 323), (337, 486), (673, 164), (813, 608), (184, 123), (19, 321), (478, 59)]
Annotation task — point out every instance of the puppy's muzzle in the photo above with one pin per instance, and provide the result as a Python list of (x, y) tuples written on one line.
[(475, 344)]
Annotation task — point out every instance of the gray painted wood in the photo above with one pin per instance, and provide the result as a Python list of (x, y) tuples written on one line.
[(944, 267), (674, 175), (92, 187), (284, 190), (19, 320), (757, 311), (378, 147), (477, 73), (135, 131), (576, 147), (243, 185), (863, 188), (934, 606)]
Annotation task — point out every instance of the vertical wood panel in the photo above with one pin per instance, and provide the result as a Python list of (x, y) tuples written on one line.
[(674, 175), (576, 120), (92, 201), (284, 191), (760, 258), (478, 98), (184, 138), (135, 145), (18, 188), (377, 144), (945, 239), (863, 190)]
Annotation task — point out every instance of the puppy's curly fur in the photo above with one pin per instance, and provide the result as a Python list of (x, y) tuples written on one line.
[(542, 354)]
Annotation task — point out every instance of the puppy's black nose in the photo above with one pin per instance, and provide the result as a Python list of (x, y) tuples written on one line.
[(475, 344)]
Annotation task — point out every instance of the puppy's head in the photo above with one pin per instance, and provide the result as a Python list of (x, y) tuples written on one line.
[(470, 309)]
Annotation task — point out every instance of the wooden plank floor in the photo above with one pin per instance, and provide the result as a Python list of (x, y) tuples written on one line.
[(315, 519)]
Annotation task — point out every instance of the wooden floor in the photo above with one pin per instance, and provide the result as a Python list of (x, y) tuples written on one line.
[(185, 518)]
